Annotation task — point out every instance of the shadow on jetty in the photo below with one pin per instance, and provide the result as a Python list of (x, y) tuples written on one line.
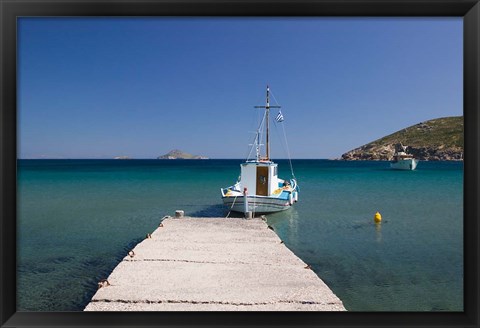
[(210, 211), (214, 211), (220, 211)]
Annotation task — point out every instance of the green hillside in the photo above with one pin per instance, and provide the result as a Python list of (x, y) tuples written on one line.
[(437, 139), (445, 131)]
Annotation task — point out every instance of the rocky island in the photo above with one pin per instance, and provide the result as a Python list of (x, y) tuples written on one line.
[(439, 139), (178, 154)]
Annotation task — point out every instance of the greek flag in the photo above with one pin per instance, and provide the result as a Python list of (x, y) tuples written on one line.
[(279, 117)]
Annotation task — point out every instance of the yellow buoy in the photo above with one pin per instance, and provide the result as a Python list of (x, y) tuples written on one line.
[(377, 218)]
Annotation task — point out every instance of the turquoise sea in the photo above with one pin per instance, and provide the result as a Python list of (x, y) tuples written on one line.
[(78, 218)]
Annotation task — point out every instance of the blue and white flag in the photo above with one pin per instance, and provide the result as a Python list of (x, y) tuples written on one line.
[(279, 117)]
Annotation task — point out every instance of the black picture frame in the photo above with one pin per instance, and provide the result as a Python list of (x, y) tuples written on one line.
[(10, 10)]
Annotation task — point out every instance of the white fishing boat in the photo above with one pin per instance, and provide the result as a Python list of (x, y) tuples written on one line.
[(259, 189), (403, 161)]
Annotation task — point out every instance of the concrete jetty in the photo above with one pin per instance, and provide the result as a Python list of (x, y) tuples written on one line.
[(213, 264)]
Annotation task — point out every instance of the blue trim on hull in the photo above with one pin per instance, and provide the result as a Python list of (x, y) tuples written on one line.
[(256, 204)]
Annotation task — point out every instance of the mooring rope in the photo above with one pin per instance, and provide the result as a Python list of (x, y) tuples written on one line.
[(230, 211)]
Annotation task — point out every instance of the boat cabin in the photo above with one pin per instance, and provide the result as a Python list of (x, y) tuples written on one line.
[(259, 177)]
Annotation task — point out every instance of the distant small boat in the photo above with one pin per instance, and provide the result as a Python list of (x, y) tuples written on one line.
[(403, 161), (259, 189)]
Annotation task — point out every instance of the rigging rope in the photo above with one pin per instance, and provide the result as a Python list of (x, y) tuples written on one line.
[(285, 147), (288, 151), (285, 138), (258, 137)]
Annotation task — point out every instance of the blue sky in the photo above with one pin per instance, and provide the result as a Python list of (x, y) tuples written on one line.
[(139, 87)]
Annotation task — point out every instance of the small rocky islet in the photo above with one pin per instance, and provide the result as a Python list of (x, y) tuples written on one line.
[(178, 154)]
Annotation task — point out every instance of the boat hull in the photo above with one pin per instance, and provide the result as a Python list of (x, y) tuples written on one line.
[(256, 204), (406, 164)]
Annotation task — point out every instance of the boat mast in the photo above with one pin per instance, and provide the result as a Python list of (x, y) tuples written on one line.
[(267, 112)]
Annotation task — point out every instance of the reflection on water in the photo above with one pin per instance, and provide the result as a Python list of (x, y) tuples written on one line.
[(286, 223), (378, 232)]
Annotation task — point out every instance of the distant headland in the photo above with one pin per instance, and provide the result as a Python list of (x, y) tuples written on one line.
[(439, 139), (178, 154)]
